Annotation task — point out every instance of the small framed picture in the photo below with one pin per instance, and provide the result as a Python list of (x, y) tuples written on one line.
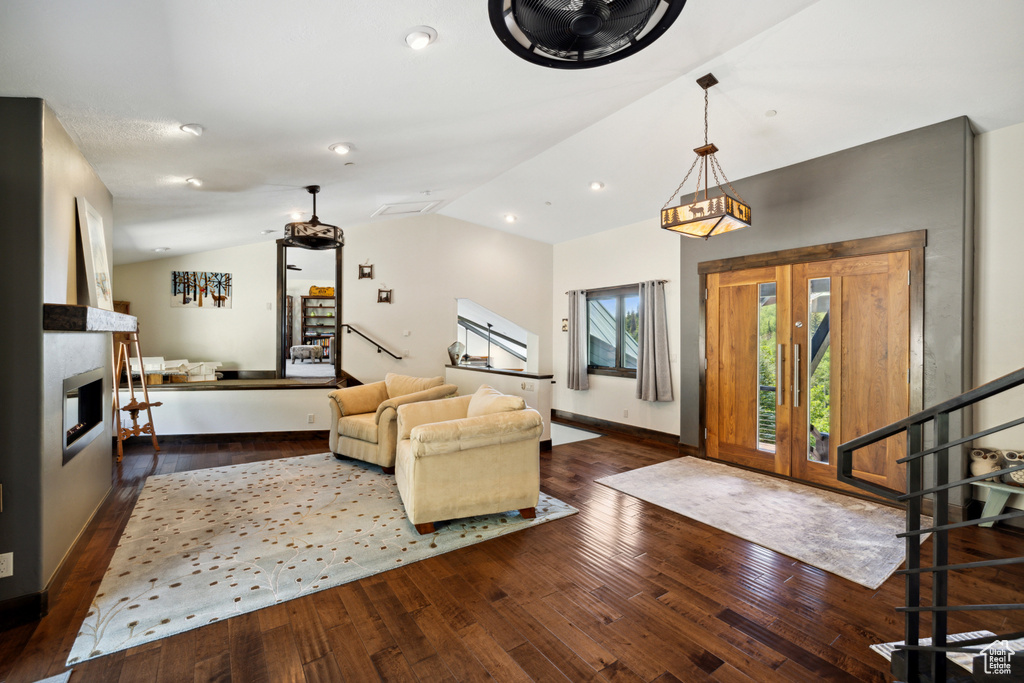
[(383, 296), (366, 272), (565, 324)]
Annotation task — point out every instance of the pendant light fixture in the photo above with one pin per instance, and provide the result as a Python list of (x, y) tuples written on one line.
[(313, 234), (706, 216)]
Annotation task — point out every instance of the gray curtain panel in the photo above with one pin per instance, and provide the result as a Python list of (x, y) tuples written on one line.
[(653, 374), (578, 378)]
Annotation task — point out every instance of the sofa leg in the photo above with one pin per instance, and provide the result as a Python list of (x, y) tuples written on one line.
[(528, 513), (387, 470), (339, 456), (424, 529)]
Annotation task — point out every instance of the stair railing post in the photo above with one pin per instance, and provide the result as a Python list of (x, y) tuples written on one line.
[(940, 546), (912, 624)]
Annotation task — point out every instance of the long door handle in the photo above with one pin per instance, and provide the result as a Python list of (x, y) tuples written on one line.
[(779, 383), (796, 375)]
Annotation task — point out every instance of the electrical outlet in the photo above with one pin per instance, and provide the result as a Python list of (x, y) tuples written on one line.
[(311, 418), (625, 413), (6, 565)]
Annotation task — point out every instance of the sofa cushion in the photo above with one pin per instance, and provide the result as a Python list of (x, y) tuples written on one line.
[(400, 385), (360, 399), (487, 401), (362, 427)]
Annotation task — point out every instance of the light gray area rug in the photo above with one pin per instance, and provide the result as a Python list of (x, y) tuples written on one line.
[(849, 537), (210, 544), (563, 434)]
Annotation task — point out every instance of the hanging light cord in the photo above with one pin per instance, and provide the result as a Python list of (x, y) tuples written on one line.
[(716, 168)]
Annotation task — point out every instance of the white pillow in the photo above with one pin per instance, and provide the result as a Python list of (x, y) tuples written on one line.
[(487, 401)]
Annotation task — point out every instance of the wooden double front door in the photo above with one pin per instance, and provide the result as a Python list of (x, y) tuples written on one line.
[(804, 356)]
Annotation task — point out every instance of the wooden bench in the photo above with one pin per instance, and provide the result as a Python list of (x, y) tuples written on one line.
[(998, 494)]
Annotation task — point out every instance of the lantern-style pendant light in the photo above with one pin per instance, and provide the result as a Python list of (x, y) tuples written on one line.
[(706, 216)]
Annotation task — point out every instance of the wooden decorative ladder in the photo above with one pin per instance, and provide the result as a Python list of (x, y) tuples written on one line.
[(121, 353)]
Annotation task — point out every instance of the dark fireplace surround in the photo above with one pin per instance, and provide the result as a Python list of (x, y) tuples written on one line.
[(83, 411)]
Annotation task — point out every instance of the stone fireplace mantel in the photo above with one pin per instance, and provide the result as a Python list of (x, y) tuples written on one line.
[(69, 318)]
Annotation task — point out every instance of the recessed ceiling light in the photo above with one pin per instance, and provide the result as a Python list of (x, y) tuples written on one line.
[(194, 182), (268, 232), (193, 128), (160, 250), (420, 36), (510, 218), (770, 113), (341, 148), (596, 185)]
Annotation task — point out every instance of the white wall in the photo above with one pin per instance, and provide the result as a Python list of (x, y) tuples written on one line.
[(622, 256), (222, 411), (240, 337), (428, 262), (999, 280)]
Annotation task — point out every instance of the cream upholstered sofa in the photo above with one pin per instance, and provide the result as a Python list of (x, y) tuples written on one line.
[(363, 425), (468, 455)]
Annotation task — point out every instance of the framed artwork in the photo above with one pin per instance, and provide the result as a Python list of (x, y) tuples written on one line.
[(366, 272), (94, 250), (193, 289), (383, 296)]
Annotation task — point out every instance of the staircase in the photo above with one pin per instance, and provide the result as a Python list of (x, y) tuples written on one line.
[(912, 661)]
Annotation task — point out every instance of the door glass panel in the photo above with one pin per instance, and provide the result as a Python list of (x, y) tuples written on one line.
[(819, 374), (767, 348)]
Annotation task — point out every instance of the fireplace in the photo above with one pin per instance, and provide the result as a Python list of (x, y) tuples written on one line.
[(83, 411)]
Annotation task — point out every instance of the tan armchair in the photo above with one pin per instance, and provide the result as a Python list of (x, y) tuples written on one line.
[(466, 456), (363, 424)]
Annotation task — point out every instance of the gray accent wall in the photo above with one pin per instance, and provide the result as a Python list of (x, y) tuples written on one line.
[(919, 180), (46, 504)]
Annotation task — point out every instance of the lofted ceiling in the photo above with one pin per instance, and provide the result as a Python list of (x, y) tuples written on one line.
[(483, 132)]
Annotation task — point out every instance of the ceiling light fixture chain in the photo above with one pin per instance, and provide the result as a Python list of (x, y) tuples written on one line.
[(677, 190)]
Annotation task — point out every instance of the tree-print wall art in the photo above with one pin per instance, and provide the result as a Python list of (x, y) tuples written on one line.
[(194, 289)]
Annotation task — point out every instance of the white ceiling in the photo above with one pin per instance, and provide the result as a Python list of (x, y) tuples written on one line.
[(486, 133)]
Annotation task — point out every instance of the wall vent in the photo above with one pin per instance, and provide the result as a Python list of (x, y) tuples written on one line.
[(405, 209)]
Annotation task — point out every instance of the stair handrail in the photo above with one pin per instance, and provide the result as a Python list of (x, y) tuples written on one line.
[(349, 329), (912, 661)]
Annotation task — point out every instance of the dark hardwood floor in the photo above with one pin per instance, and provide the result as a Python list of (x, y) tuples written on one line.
[(623, 591)]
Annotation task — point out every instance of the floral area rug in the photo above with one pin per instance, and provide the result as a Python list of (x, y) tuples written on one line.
[(207, 545), (852, 538)]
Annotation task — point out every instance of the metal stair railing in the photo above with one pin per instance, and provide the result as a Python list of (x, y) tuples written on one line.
[(349, 329), (912, 661)]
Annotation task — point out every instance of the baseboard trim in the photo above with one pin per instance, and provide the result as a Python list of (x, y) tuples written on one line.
[(26, 608), (617, 428), (229, 436), (23, 609)]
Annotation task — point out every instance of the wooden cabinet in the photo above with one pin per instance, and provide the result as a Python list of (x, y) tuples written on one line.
[(319, 322)]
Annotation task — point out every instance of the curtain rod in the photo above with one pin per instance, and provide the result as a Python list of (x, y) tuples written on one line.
[(598, 289)]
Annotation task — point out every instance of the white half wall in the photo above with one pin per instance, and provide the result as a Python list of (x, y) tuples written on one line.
[(228, 411), (240, 337), (999, 281), (623, 256)]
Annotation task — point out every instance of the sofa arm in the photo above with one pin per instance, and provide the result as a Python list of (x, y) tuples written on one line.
[(414, 414), (432, 394), (361, 399), (475, 432)]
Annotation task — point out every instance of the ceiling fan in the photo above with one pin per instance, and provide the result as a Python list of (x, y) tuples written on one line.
[(313, 234), (579, 34)]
